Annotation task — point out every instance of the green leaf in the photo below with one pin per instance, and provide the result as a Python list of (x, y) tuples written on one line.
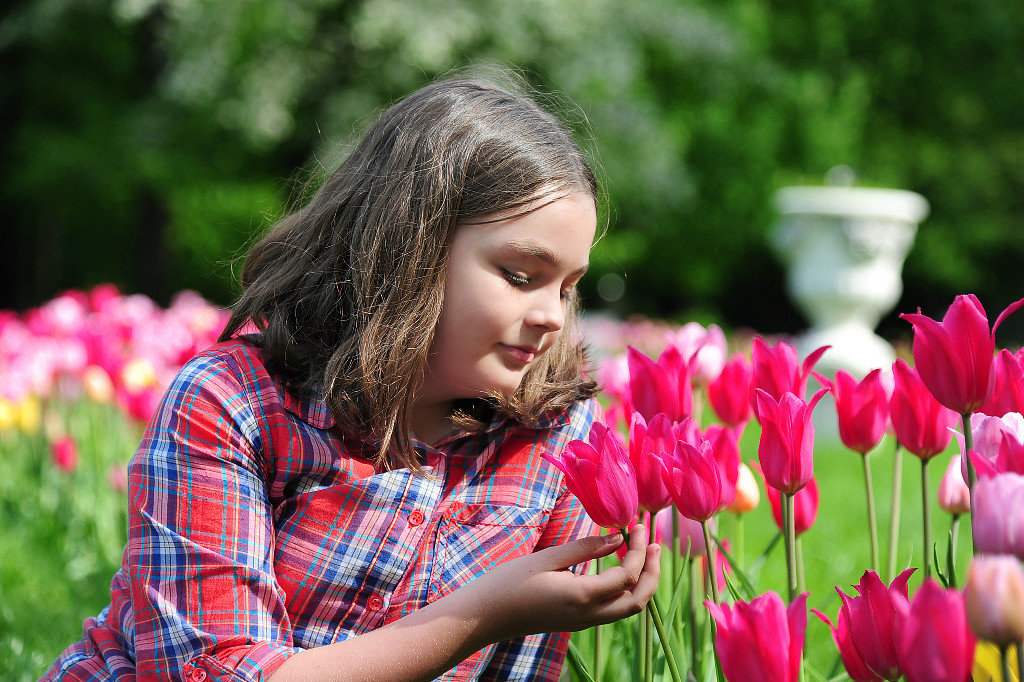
[(744, 581), (951, 560), (938, 571), (578, 666)]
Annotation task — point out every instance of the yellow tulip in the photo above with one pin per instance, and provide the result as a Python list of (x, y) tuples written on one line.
[(987, 664)]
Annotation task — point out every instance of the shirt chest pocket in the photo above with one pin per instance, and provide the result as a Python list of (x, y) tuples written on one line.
[(473, 538)]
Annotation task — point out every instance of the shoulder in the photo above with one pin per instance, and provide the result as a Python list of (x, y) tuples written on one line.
[(569, 424)]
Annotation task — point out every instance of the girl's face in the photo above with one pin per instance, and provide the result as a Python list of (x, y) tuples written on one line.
[(505, 298)]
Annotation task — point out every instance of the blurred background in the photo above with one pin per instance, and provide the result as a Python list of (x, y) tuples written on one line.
[(147, 142)]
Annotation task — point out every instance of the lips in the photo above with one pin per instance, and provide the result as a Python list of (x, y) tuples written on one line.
[(524, 354)]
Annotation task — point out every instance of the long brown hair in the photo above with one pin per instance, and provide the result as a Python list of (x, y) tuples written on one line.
[(347, 289)]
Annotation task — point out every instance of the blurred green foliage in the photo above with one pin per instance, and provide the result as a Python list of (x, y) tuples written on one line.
[(150, 140)]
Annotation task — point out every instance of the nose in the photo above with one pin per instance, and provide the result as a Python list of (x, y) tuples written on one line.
[(547, 311)]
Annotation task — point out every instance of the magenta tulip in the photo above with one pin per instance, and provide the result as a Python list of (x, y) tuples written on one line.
[(874, 622), (760, 641), (1008, 387), (692, 477), (662, 386), (920, 422), (805, 506), (648, 445), (786, 448), (994, 599), (954, 357), (841, 635), (730, 393), (64, 453), (998, 523), (777, 370), (600, 474), (935, 644), (862, 408)]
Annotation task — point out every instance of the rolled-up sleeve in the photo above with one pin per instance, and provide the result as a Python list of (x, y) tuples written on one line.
[(200, 552)]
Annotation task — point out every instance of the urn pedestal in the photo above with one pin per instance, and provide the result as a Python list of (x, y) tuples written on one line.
[(843, 248)]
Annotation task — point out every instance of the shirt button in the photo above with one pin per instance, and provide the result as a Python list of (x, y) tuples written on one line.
[(415, 518), (198, 675), (375, 603)]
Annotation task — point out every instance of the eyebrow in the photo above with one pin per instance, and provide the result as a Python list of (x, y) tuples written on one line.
[(534, 250)]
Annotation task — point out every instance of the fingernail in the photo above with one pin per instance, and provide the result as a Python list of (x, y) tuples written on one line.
[(614, 538)]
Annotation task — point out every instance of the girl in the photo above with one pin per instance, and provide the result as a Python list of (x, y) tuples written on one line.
[(355, 491)]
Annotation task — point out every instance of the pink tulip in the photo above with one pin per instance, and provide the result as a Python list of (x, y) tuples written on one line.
[(805, 506), (786, 449), (730, 393), (760, 641), (954, 357), (776, 370), (691, 475), (64, 453), (954, 497), (999, 441), (707, 347), (748, 495), (599, 473), (873, 623), (691, 533), (647, 446), (1008, 388), (862, 408), (994, 599), (726, 451), (935, 644), (662, 386), (920, 422), (998, 523)]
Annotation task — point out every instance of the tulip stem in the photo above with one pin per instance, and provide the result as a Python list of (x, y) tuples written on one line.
[(711, 561), (648, 624), (800, 582), (926, 521), (695, 600), (737, 537), (597, 635), (872, 525), (790, 537), (954, 533), (894, 517), (965, 419), (652, 608), (1004, 660)]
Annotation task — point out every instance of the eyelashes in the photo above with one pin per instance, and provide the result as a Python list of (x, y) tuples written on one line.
[(519, 281)]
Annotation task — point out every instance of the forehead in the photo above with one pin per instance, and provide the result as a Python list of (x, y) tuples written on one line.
[(560, 232)]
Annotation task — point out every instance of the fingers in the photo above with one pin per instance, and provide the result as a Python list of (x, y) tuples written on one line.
[(631, 602), (576, 552)]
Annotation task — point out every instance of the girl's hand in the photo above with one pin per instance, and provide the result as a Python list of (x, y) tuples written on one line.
[(536, 593)]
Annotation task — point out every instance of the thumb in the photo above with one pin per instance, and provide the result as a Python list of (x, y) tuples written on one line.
[(576, 552)]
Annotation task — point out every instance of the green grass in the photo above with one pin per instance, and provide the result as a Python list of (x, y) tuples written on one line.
[(62, 536)]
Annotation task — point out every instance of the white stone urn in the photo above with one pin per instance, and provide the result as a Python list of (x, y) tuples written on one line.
[(844, 249)]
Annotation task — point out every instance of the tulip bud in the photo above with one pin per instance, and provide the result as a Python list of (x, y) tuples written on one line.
[(994, 598), (748, 495), (729, 394), (691, 476), (954, 496), (862, 409), (1008, 388), (786, 448), (761, 640), (921, 423), (776, 372), (935, 644), (706, 349)]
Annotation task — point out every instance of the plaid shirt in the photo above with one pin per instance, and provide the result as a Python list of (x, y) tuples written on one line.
[(256, 530)]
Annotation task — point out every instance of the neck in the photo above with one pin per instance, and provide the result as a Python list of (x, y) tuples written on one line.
[(430, 420)]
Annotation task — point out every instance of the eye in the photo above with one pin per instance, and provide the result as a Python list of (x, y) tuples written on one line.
[(514, 279)]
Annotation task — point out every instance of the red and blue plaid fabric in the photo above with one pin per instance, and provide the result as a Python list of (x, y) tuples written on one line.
[(255, 530)]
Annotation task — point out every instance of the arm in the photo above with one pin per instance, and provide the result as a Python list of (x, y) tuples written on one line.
[(527, 595)]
